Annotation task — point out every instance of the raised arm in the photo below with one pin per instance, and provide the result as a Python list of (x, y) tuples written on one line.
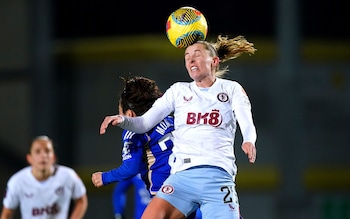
[(139, 124), (114, 120)]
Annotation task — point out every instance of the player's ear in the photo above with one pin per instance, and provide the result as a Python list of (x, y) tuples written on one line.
[(215, 61), (130, 113), (29, 158)]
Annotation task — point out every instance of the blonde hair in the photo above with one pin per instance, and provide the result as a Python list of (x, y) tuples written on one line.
[(228, 49)]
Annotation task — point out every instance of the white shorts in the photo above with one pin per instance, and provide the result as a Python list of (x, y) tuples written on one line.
[(210, 188)]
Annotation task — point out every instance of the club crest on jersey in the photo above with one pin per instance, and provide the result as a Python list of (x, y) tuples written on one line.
[(222, 97), (188, 99), (59, 191), (168, 189)]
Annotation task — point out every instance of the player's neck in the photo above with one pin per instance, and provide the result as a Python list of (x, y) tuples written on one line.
[(206, 82), (42, 175)]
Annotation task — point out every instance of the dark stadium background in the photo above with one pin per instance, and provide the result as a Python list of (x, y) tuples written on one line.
[(60, 63), (73, 19)]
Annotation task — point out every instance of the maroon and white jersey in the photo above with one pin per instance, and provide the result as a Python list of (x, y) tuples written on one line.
[(49, 199), (205, 122)]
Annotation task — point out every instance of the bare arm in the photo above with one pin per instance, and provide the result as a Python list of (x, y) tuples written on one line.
[(7, 213), (80, 207)]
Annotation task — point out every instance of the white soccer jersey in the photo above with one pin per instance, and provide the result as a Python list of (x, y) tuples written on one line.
[(198, 115), (43, 200)]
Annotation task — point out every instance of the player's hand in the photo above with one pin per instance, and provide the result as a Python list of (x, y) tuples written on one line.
[(96, 179), (250, 150), (115, 120)]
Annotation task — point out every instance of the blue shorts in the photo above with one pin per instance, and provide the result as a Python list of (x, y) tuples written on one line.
[(210, 188)]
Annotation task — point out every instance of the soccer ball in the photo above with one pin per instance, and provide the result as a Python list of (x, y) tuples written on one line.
[(185, 26)]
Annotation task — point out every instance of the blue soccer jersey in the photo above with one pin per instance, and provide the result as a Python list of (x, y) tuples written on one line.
[(147, 154)]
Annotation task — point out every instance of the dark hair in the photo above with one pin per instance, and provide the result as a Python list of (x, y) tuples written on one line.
[(139, 94), (41, 138)]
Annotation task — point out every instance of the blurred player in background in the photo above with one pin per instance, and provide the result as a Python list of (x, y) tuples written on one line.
[(44, 189), (206, 113), (119, 197)]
